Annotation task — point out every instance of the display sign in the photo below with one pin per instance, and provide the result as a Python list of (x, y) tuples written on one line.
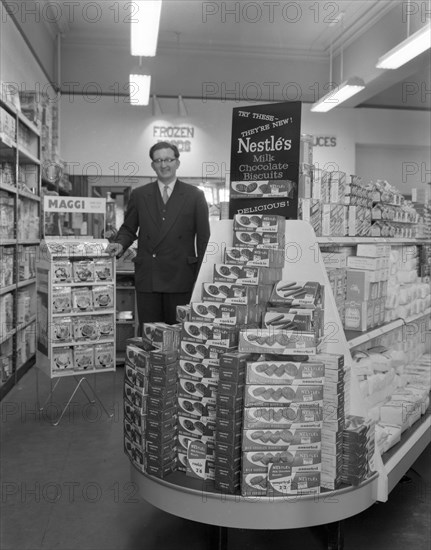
[(70, 205), (264, 167), (65, 216)]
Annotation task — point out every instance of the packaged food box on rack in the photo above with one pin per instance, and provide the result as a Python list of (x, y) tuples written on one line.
[(83, 356), (62, 271), (103, 297), (309, 210), (183, 313), (194, 370), (261, 223), (61, 299), (285, 372), (221, 313), (297, 294), (209, 333), (295, 437), (61, 329), (161, 335), (62, 358), (277, 395), (262, 188), (258, 240), (85, 328), (203, 352), (359, 315), (281, 342), (301, 320), (282, 416), (104, 357), (198, 465), (232, 293), (334, 220), (245, 275), (82, 299), (197, 389), (254, 257), (259, 461), (103, 270), (195, 407), (83, 271)]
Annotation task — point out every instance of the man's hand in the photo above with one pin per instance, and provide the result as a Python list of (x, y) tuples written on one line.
[(114, 249)]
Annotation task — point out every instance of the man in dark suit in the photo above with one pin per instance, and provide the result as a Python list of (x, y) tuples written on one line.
[(173, 222)]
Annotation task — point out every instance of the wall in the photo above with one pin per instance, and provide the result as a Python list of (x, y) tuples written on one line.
[(105, 136)]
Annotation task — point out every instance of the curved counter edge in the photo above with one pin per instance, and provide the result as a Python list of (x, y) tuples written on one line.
[(240, 512)]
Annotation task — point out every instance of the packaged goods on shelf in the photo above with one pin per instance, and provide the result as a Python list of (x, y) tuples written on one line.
[(6, 313), (7, 124), (26, 262), (245, 275), (306, 149), (161, 335), (309, 211), (334, 220), (302, 320), (358, 221), (321, 185), (305, 183), (222, 314), (28, 220), (259, 223), (7, 174), (297, 294), (7, 215), (6, 266), (358, 449)]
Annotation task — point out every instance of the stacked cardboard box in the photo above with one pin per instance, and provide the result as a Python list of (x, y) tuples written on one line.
[(229, 421), (358, 449)]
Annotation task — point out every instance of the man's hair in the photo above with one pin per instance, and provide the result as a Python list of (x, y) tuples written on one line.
[(164, 145)]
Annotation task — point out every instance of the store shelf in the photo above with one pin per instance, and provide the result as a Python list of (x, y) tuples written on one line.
[(25, 155), (29, 195), (76, 313), (65, 373), (8, 188), (355, 339), (363, 240), (404, 454), (28, 241), (22, 326), (7, 336), (7, 141), (5, 242), (194, 500), (28, 123), (6, 289), (80, 342), (27, 282)]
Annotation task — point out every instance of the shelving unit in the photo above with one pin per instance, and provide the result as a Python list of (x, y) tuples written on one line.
[(20, 185)]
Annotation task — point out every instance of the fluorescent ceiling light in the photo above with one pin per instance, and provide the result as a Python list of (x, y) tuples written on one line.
[(144, 27), (139, 90), (339, 94), (411, 47)]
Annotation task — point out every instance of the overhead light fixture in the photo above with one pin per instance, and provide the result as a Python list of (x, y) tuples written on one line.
[(139, 89), (144, 27), (155, 105), (182, 109), (341, 93), (411, 47)]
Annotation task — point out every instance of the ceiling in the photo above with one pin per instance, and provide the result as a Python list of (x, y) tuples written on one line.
[(234, 44)]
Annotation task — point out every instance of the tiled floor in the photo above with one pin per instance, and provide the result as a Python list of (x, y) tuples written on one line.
[(68, 488)]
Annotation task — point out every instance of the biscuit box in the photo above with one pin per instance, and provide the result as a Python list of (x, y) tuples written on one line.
[(280, 417), (161, 335), (198, 388), (198, 465), (85, 328), (259, 222), (259, 461), (183, 313), (304, 320), (61, 329), (193, 370), (282, 439), (282, 481), (252, 256), (203, 353), (196, 426), (103, 270), (209, 333), (261, 188), (83, 357), (306, 294), (285, 372), (259, 240), (245, 275), (197, 408), (254, 484), (230, 293), (62, 358), (163, 357), (61, 299), (232, 366), (104, 356), (103, 297), (281, 342), (138, 358), (277, 395), (219, 313)]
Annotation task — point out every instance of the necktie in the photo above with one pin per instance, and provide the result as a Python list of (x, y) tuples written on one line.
[(165, 196)]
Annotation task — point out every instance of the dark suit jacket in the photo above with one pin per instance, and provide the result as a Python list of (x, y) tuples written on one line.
[(169, 253)]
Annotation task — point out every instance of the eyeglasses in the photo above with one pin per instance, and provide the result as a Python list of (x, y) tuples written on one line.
[(168, 161)]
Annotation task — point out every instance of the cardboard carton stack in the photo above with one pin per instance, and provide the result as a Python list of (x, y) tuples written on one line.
[(358, 449)]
